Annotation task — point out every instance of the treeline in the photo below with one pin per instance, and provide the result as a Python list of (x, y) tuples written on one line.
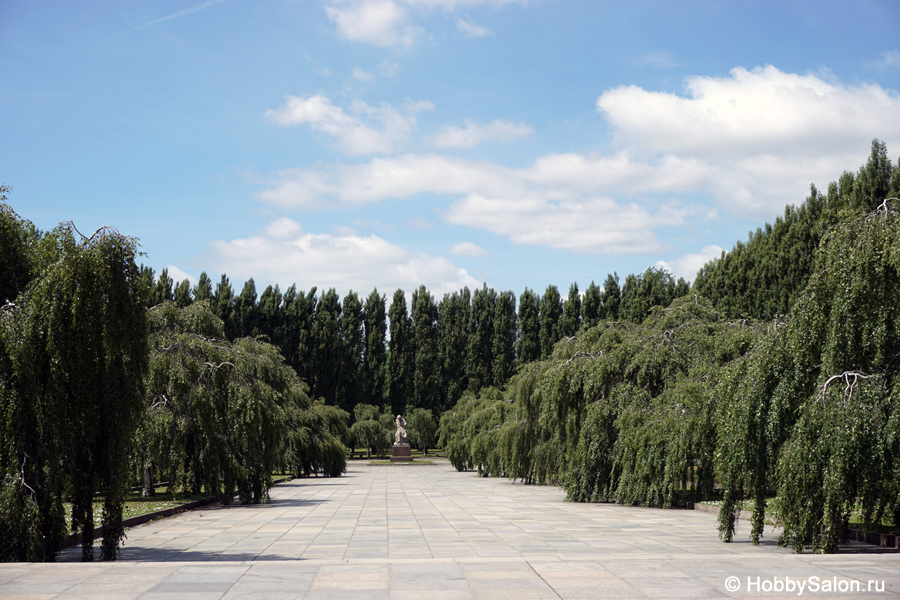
[(353, 351), (799, 414), (97, 391), (763, 277)]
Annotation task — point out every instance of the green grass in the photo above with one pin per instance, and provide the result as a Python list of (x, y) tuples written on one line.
[(405, 462)]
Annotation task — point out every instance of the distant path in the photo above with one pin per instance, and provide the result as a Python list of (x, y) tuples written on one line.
[(430, 533)]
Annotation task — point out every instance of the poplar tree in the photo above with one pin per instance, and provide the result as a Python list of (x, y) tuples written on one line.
[(203, 289), (528, 346), (610, 298), (570, 321), (401, 362), (480, 353), (246, 310), (591, 306), (426, 378), (182, 295), (551, 311), (454, 313), (352, 380), (327, 347), (224, 307), (375, 350), (504, 342)]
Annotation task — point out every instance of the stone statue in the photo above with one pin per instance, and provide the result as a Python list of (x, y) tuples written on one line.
[(400, 435)]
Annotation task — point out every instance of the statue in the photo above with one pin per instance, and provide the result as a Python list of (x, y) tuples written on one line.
[(400, 435)]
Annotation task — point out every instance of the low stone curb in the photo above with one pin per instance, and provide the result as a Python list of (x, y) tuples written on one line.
[(884, 540), (74, 539)]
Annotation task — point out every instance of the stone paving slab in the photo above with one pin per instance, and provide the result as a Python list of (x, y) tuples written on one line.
[(401, 533)]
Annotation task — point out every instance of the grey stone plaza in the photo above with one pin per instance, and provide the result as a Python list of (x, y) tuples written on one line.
[(408, 531)]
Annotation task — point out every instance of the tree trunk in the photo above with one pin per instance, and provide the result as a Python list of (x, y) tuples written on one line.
[(149, 490)]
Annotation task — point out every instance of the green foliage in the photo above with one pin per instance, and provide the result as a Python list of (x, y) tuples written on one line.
[(764, 276), (371, 429), (551, 311), (480, 352), (422, 430), (375, 364), (528, 346), (402, 357), (73, 351), (504, 342), (814, 413), (621, 412), (221, 416), (426, 378), (454, 314)]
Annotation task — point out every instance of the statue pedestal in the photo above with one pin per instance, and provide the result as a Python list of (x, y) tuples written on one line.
[(401, 453)]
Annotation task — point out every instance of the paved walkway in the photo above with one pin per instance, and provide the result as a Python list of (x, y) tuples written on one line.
[(427, 532)]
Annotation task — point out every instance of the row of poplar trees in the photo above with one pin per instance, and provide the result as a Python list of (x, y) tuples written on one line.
[(422, 355), (773, 386)]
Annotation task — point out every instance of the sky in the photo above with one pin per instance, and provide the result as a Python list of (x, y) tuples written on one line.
[(357, 144)]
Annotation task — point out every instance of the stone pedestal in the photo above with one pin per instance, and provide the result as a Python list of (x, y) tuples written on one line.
[(401, 453)]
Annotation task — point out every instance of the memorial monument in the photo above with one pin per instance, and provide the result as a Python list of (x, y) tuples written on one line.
[(401, 451)]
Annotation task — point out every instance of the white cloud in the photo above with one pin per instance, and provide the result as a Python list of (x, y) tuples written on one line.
[(553, 176), (470, 28), (286, 255), (475, 133), (581, 226), (467, 249), (762, 135), (361, 74), (889, 58), (387, 23), (379, 22), (762, 111), (687, 266), (177, 275), (750, 143), (366, 130)]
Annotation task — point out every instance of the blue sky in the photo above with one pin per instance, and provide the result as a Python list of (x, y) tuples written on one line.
[(392, 143)]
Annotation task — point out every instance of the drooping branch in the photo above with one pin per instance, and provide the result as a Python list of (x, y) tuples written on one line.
[(850, 378)]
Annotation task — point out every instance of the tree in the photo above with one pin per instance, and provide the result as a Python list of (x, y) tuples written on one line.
[(422, 429), (551, 311), (570, 321), (203, 290), (426, 378), (454, 314), (375, 359), (591, 307), (246, 310), (352, 372), (182, 294), (504, 343), (480, 353), (223, 302), (402, 360), (371, 429), (610, 298), (328, 348), (220, 416), (16, 236), (528, 347), (73, 352), (815, 413)]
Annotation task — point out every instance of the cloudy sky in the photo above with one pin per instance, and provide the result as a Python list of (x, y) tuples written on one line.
[(392, 143)]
